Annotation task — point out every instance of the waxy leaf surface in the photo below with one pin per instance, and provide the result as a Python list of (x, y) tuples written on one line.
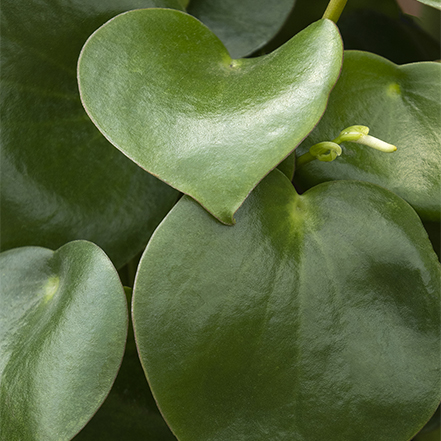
[(401, 105), (242, 26), (63, 327), (314, 317), (164, 90), (61, 180)]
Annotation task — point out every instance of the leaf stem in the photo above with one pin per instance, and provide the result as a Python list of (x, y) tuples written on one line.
[(334, 9), (304, 159)]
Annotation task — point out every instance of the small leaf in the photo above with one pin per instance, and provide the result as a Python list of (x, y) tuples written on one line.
[(63, 326), (400, 105), (243, 26), (315, 317), (163, 89)]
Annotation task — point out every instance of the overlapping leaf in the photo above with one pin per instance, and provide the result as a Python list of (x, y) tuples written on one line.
[(163, 89), (314, 317), (401, 105), (61, 180), (63, 325)]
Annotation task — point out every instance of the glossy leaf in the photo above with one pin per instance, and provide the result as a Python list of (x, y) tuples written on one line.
[(61, 180), (129, 412), (243, 26), (400, 105), (63, 326), (315, 317), (163, 89), (434, 3)]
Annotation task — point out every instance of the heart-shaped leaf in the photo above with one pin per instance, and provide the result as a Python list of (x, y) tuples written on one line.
[(401, 105), (245, 26), (63, 326), (61, 180), (315, 317), (163, 89)]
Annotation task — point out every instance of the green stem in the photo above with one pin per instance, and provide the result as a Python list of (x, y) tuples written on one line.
[(304, 159), (334, 9)]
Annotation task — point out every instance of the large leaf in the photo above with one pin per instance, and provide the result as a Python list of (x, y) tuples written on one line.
[(129, 412), (315, 317), (401, 105), (63, 325), (243, 26), (163, 89), (61, 180)]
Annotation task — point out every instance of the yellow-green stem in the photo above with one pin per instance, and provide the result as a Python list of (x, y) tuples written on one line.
[(334, 9)]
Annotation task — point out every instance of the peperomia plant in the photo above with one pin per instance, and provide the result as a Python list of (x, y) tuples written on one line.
[(281, 178)]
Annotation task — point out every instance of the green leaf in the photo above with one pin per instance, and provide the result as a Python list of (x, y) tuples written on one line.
[(315, 317), (63, 326), (434, 3), (61, 180), (243, 26), (163, 89), (129, 412), (401, 105)]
